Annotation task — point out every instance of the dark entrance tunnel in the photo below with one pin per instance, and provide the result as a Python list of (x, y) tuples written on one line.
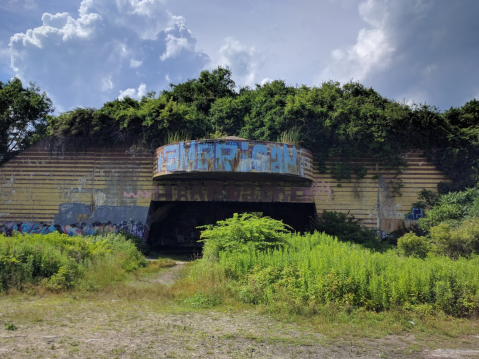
[(173, 224)]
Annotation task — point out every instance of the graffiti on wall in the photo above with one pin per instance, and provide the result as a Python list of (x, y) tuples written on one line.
[(82, 229), (415, 214), (144, 194), (233, 156), (29, 228), (248, 192)]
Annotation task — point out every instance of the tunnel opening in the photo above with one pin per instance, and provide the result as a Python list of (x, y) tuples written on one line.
[(174, 224)]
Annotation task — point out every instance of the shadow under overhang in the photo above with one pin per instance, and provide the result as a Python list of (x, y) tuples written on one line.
[(237, 176)]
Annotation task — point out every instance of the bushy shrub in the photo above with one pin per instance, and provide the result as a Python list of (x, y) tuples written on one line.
[(138, 241), (342, 225), (243, 232), (456, 240), (427, 199), (58, 261), (317, 269), (394, 236), (412, 245), (453, 207)]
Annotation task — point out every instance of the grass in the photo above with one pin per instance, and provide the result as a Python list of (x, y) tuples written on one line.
[(316, 270), (135, 304), (215, 287), (177, 136), (290, 137), (57, 262)]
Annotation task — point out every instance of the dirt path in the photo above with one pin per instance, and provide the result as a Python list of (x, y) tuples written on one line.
[(171, 275), (148, 327)]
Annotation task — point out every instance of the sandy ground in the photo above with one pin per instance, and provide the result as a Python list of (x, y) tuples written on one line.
[(69, 327)]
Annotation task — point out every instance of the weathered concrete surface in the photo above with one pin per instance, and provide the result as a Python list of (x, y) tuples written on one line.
[(89, 188), (108, 188), (220, 157)]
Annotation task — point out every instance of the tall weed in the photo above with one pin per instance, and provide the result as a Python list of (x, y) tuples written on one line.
[(59, 262), (317, 269)]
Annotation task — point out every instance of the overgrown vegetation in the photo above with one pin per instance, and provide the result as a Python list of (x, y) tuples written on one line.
[(339, 121), (59, 262), (23, 117), (450, 226), (315, 270), (243, 232), (452, 208), (342, 225)]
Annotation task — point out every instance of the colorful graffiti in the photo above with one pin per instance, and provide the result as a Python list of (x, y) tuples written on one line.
[(415, 214), (83, 229), (28, 228), (145, 194), (234, 156), (247, 192), (90, 229)]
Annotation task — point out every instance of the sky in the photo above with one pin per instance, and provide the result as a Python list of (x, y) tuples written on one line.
[(84, 53)]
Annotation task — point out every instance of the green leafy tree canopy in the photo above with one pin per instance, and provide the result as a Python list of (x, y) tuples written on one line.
[(23, 117)]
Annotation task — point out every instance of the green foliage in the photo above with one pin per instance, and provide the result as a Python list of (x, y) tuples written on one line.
[(243, 232), (396, 185), (144, 248), (456, 152), (23, 117), (174, 137), (452, 221), (338, 121), (342, 225), (10, 326), (341, 171), (219, 134), (360, 172), (344, 171), (316, 269), (412, 245), (456, 240), (204, 301), (452, 207), (290, 137), (394, 236), (60, 262), (427, 199)]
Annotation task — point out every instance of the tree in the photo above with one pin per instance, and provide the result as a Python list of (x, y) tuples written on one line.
[(202, 92), (23, 117)]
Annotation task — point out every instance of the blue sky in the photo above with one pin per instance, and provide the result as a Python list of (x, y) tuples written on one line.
[(87, 52)]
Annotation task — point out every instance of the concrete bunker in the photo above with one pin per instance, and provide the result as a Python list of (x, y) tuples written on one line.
[(95, 189), (175, 223), (202, 182)]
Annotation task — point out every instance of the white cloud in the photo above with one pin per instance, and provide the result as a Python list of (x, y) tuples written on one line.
[(135, 63), (133, 93), (142, 91), (265, 81), (146, 17), (183, 41), (106, 83), (373, 49), (111, 45), (419, 50), (244, 61)]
